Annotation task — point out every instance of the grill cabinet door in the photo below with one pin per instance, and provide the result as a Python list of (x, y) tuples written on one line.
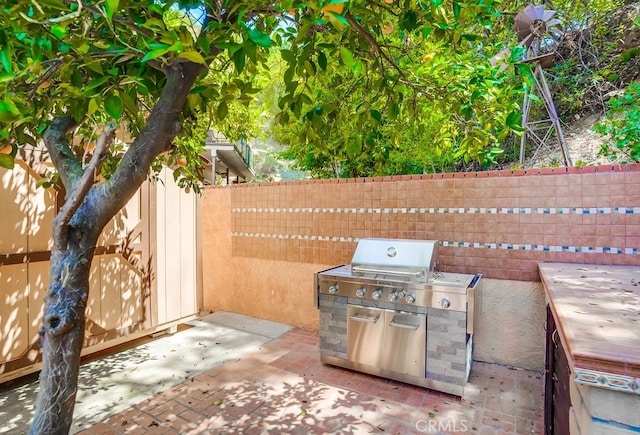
[(404, 343), (365, 328)]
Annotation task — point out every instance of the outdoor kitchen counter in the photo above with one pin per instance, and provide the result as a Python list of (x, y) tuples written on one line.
[(597, 312)]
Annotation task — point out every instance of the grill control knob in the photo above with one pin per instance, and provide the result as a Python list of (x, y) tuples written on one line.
[(361, 292), (377, 294), (393, 296), (445, 303), (333, 289), (410, 299)]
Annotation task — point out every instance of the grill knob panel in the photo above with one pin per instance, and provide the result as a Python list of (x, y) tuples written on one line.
[(410, 299), (361, 292), (333, 289), (393, 296), (377, 294), (445, 303)]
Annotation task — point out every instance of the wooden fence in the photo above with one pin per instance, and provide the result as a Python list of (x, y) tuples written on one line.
[(145, 275)]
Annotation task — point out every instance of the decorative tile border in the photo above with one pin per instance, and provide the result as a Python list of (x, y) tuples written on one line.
[(447, 243), (610, 381), (296, 237), (450, 210), (543, 248)]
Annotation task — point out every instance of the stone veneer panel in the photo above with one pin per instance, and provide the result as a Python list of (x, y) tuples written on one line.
[(447, 346), (333, 325)]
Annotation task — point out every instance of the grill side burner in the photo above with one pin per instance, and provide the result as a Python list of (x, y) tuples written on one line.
[(389, 313)]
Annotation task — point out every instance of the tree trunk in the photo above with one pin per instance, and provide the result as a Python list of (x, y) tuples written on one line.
[(76, 229), (63, 332)]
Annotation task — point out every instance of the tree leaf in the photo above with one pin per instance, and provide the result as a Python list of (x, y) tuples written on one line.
[(514, 121), (346, 57), (261, 39), (354, 148), (93, 106), (338, 20), (322, 60), (193, 56), (288, 56), (310, 68), (250, 50), (456, 10), (58, 31), (94, 84), (6, 161), (9, 112), (409, 20), (113, 105), (222, 110), (5, 57), (112, 7), (239, 60), (129, 103), (153, 54)]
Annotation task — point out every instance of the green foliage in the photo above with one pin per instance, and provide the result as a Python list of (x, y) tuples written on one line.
[(621, 125), (95, 65), (358, 114), (357, 88)]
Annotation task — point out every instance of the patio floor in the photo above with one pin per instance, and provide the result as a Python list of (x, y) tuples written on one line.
[(282, 388)]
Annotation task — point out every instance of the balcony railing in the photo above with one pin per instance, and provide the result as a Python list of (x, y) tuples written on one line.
[(241, 147)]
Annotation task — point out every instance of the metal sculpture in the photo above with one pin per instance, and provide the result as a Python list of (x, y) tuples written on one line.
[(533, 26)]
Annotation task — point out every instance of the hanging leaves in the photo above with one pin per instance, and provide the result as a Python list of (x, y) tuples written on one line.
[(222, 110), (113, 106), (347, 57), (261, 39), (111, 7)]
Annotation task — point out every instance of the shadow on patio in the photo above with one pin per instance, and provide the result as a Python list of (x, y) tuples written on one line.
[(282, 387)]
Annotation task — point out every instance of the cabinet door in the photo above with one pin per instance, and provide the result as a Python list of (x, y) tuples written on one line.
[(404, 343), (365, 330), (558, 376)]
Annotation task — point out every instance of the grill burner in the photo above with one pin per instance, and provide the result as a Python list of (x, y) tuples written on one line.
[(390, 313)]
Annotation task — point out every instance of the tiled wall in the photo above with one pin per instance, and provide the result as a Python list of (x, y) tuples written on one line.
[(499, 223)]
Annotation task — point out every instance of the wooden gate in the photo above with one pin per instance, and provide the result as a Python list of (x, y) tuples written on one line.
[(144, 274)]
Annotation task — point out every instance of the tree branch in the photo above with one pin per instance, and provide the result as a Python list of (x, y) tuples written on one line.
[(372, 41), (61, 154), (116, 19), (81, 189), (162, 126), (385, 7)]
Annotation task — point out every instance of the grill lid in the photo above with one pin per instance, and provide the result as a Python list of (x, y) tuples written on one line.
[(415, 260)]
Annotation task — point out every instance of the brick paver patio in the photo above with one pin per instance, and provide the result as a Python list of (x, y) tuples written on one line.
[(284, 389)]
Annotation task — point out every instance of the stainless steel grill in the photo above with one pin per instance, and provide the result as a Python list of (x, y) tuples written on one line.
[(391, 313)]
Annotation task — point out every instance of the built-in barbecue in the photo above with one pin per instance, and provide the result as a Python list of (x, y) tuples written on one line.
[(390, 313)]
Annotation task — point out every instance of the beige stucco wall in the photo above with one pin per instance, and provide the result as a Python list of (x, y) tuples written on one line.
[(509, 323), (251, 288), (281, 291)]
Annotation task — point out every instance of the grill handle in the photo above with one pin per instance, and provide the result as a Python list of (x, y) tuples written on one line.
[(365, 319), (394, 324), (386, 271)]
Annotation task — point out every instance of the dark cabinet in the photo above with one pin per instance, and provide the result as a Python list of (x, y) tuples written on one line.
[(557, 398)]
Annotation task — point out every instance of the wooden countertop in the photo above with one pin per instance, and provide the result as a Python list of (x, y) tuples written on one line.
[(597, 311)]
